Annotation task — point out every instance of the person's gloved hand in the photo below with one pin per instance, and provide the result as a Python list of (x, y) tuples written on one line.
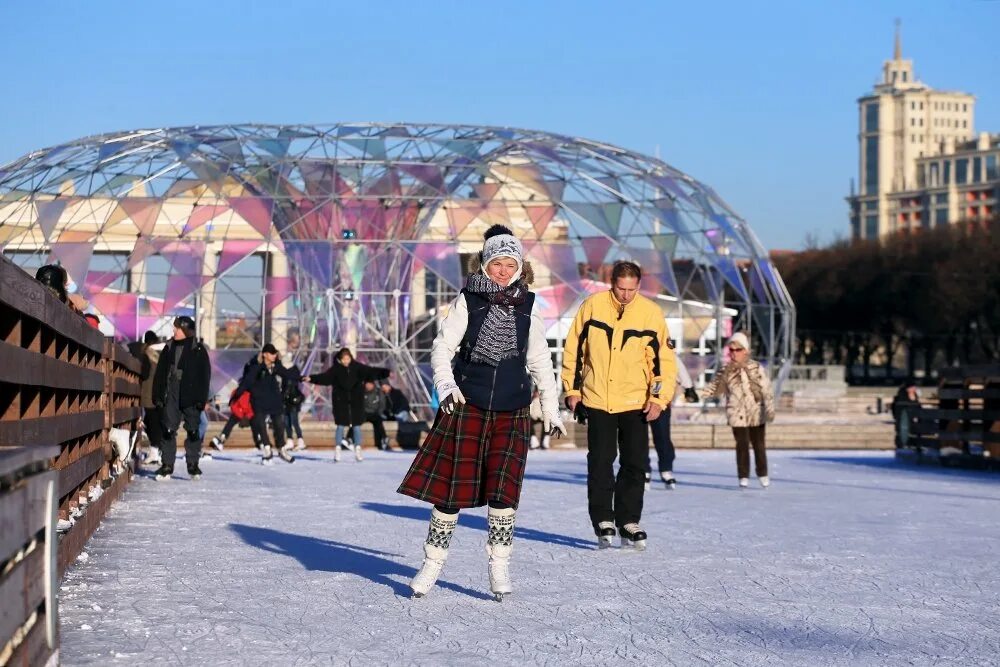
[(580, 412), (553, 425), (691, 395), (452, 400)]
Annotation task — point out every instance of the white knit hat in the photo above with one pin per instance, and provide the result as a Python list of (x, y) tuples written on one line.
[(740, 339), (501, 242)]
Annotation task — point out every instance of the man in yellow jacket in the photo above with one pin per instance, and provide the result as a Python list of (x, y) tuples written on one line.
[(618, 365)]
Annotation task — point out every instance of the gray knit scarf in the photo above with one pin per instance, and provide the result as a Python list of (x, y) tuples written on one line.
[(498, 338)]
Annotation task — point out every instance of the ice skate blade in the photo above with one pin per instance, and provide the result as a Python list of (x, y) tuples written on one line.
[(499, 597), (637, 545), (416, 596), (604, 543)]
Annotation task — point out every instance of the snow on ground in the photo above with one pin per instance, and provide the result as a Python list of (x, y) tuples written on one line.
[(849, 558)]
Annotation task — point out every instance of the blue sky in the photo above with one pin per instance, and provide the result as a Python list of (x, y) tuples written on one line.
[(755, 98)]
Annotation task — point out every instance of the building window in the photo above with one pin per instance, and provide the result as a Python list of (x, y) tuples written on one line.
[(871, 205), (921, 108), (941, 217), (941, 198), (991, 168), (871, 226), (977, 170), (947, 172), (871, 165), (965, 123), (935, 175), (921, 122), (871, 118), (965, 107), (961, 171), (913, 122)]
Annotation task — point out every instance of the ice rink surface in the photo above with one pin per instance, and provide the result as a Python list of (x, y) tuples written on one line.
[(848, 559)]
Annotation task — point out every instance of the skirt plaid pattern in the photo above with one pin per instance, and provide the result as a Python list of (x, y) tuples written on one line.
[(471, 457)]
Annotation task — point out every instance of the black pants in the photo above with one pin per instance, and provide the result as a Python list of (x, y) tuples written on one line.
[(664, 445), (376, 422), (292, 424), (152, 420), (231, 424), (191, 421), (747, 436), (259, 425), (610, 498)]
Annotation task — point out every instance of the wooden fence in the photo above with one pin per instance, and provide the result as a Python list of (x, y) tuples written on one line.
[(962, 425), (63, 386)]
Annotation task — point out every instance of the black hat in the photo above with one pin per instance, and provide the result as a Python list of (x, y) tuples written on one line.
[(54, 277), (269, 349), (185, 324)]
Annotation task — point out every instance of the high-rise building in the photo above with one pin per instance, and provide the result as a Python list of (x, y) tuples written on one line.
[(900, 123)]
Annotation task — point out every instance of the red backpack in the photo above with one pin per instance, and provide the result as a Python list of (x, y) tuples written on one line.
[(241, 407)]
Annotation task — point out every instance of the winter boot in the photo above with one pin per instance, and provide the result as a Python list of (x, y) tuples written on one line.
[(300, 445), (499, 544), (633, 536), (668, 479), (605, 534), (439, 533), (218, 442), (164, 473)]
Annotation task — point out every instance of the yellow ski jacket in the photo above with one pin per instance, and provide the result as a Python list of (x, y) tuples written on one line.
[(615, 362)]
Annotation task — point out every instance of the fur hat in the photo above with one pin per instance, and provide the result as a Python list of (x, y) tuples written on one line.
[(740, 339), (501, 242)]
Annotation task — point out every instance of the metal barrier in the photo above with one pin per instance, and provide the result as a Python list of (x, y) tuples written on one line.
[(63, 387), (962, 425)]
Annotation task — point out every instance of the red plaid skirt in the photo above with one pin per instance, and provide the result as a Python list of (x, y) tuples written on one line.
[(471, 457)]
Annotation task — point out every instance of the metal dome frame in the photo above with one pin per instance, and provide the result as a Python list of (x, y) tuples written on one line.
[(363, 232)]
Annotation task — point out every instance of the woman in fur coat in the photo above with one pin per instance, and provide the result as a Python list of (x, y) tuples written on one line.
[(749, 406), (488, 351)]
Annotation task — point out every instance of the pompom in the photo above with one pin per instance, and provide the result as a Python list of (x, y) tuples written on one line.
[(497, 230)]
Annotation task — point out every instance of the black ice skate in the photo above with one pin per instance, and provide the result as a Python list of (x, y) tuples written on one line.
[(633, 537), (605, 534), (164, 473), (194, 472)]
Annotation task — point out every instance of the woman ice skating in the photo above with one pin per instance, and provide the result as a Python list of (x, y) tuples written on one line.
[(749, 406), (347, 377), (490, 347)]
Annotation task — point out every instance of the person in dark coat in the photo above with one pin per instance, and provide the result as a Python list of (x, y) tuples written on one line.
[(398, 407), (265, 384), (293, 398), (376, 403), (218, 442), (347, 377), (180, 390)]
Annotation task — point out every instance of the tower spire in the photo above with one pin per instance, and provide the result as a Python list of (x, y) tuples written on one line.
[(898, 51)]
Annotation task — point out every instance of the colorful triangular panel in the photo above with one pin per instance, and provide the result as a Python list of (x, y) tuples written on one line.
[(143, 211), (74, 257), (202, 213), (233, 252), (540, 216), (596, 249), (48, 215), (315, 258), (256, 211), (277, 290)]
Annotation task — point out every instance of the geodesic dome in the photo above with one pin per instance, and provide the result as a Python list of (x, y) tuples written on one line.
[(359, 235)]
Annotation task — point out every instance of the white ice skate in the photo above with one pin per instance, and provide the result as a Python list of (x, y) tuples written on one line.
[(439, 533), (153, 457), (267, 457), (633, 537), (605, 534), (336, 453), (546, 441), (535, 443), (357, 453), (744, 482), (668, 480), (765, 481), (649, 481), (300, 445)]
